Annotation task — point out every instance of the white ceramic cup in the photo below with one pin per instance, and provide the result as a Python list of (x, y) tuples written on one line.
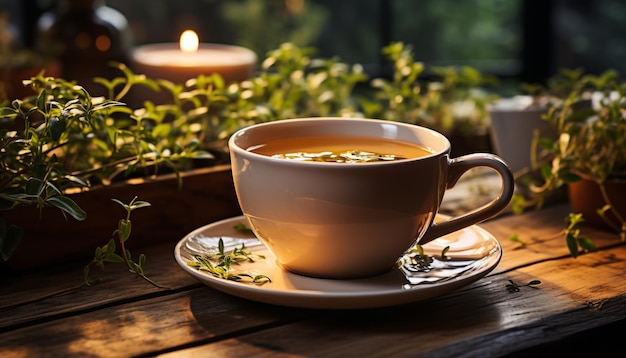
[(513, 125), (340, 220)]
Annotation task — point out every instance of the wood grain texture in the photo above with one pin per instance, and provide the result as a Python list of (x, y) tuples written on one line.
[(44, 313)]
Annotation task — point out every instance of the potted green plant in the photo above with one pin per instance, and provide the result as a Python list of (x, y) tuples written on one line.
[(588, 156)]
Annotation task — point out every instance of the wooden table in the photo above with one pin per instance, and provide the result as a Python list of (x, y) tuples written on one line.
[(580, 307)]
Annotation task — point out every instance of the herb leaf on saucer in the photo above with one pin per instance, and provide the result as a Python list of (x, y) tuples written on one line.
[(219, 264)]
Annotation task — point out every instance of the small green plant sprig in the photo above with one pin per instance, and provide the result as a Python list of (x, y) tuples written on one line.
[(515, 238), (107, 253), (220, 264), (421, 261), (515, 287), (574, 240)]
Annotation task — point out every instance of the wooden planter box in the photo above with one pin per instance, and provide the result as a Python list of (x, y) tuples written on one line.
[(49, 238)]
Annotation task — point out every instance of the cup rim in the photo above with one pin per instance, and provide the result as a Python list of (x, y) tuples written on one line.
[(233, 146)]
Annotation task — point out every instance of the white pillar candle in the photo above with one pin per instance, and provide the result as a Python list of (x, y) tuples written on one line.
[(189, 58)]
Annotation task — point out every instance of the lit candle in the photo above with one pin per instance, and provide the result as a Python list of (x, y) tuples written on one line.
[(189, 58)]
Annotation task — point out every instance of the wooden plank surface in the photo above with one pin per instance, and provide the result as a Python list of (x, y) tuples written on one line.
[(46, 313), (60, 290), (482, 318)]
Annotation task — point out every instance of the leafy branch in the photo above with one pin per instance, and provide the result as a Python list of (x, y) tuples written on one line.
[(107, 253)]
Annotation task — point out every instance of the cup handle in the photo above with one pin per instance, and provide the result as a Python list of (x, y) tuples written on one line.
[(457, 167)]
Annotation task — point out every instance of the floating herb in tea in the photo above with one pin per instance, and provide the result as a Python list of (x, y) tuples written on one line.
[(351, 156)]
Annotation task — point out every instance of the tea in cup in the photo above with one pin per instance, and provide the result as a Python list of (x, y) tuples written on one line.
[(345, 197)]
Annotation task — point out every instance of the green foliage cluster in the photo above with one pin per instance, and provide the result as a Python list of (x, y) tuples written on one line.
[(63, 139), (452, 100), (591, 138), (589, 123)]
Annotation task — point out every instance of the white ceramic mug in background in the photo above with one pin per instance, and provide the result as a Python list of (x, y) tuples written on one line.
[(513, 124), (340, 220)]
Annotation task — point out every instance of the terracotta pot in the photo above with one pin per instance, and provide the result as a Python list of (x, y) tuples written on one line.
[(585, 197), (206, 195)]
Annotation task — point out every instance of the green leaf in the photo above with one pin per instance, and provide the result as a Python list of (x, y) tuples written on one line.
[(515, 238), (115, 258), (586, 244), (202, 155), (52, 190), (445, 251), (572, 245), (139, 204), (41, 101), (67, 205), (570, 178), (8, 112), (546, 143), (76, 180), (162, 130), (34, 186), (518, 203), (110, 247), (121, 203), (107, 104), (124, 229), (57, 128)]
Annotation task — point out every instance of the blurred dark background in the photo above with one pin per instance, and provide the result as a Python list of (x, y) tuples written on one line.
[(523, 40)]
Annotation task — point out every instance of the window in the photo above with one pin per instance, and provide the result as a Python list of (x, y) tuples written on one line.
[(525, 39)]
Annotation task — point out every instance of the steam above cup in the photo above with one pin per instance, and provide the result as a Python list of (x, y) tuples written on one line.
[(343, 219)]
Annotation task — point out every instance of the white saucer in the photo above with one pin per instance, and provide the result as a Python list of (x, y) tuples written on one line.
[(473, 253)]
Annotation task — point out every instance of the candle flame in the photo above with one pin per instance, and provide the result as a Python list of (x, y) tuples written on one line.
[(189, 41)]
